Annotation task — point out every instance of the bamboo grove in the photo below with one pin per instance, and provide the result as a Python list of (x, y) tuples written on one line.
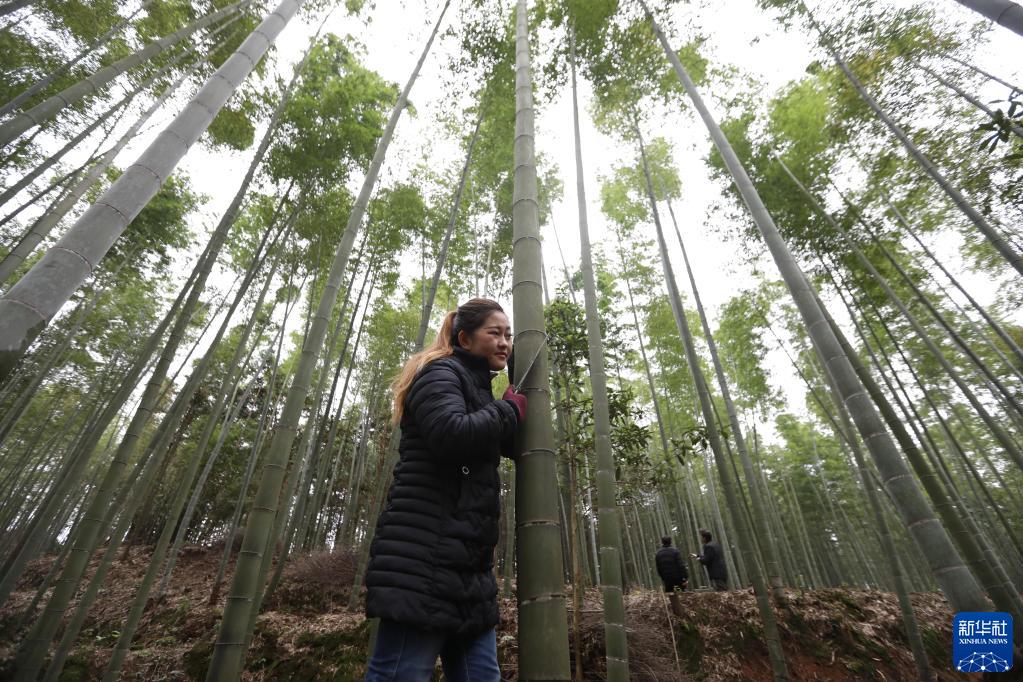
[(186, 364)]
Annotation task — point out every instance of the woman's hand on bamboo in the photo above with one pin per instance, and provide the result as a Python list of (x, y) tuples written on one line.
[(517, 400)]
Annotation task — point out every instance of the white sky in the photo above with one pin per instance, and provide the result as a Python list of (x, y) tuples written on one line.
[(739, 34)]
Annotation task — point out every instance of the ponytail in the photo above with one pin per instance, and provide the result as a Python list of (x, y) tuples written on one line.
[(441, 347)]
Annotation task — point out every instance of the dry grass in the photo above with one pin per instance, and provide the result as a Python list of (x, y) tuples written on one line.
[(307, 634), (316, 582)]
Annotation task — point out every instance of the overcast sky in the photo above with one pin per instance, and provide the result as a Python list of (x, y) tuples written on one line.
[(739, 34)]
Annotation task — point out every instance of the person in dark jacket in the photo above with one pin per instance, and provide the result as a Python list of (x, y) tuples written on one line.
[(430, 577), (714, 561), (671, 567)]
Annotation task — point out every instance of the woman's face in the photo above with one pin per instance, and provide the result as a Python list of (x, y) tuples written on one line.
[(492, 340)]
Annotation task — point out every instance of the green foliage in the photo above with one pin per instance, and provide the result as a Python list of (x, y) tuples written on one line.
[(623, 79), (693, 442), (233, 127), (391, 336), (83, 20), (228, 41), (741, 344), (624, 197), (332, 121), (23, 61), (664, 349), (803, 128), (259, 213), (1000, 128), (817, 124), (618, 52), (163, 17), (566, 327), (159, 229), (399, 215)]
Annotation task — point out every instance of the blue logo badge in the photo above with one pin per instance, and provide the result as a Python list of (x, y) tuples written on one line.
[(982, 642)]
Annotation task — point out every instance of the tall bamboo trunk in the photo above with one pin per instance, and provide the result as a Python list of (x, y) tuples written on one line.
[(1006, 395), (1004, 12), (52, 158), (1007, 123), (689, 523), (228, 385), (228, 655), (46, 222), (118, 514), (262, 427), (996, 239), (431, 293), (616, 647), (955, 579), (173, 422), (757, 496), (336, 421), (997, 327), (35, 645), (30, 304), (1016, 367), (62, 183), (980, 556), (59, 353), (999, 432), (542, 624), (78, 457), (887, 545), (323, 441), (45, 81), (746, 539), (53, 215), (982, 72), (47, 109), (575, 543)]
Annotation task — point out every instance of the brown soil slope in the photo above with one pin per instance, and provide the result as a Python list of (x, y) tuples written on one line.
[(307, 634)]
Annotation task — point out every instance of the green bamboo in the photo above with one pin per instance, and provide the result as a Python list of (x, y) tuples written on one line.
[(956, 581), (30, 304), (47, 109), (746, 538), (997, 240), (227, 661), (980, 556), (542, 622), (615, 644), (759, 512), (916, 644)]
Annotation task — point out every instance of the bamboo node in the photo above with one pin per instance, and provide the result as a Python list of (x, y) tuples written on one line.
[(27, 305), (526, 236), (73, 252), (550, 596), (540, 522), (537, 451)]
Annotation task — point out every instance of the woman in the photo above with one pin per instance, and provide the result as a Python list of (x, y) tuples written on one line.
[(430, 578)]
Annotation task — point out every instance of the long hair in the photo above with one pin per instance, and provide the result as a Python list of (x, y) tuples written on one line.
[(469, 317)]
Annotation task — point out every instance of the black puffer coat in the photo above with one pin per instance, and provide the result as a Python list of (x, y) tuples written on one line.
[(432, 557), (670, 566)]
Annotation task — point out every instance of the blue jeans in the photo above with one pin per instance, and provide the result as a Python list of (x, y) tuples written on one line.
[(405, 654)]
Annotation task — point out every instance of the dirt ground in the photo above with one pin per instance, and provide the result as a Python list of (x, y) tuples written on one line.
[(307, 633)]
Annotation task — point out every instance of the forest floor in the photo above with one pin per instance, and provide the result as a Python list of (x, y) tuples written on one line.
[(306, 632)]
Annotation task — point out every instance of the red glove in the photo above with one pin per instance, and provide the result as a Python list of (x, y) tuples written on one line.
[(518, 400)]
